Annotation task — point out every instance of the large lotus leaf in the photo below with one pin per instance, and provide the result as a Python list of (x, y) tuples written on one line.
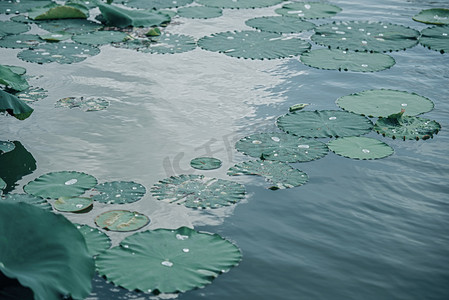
[(237, 4), (120, 17), (72, 26), (168, 261), (60, 184), (280, 24), (366, 36), (29, 199), (32, 94), (20, 6), (324, 123), (197, 191), (281, 174), (254, 44), (8, 27), (73, 204), (96, 240), (334, 59), (156, 4), (6, 146), (168, 43), (63, 53), (54, 12), (406, 127), (200, 12), (20, 41), (14, 106), (12, 79), (100, 37), (281, 147), (205, 163), (44, 252), (83, 103), (119, 192), (382, 103), (309, 10), (437, 16), (360, 147), (121, 220), (436, 38)]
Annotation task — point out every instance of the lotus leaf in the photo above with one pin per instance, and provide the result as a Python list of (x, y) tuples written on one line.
[(120, 17), (100, 37), (16, 69), (298, 106), (8, 27), (205, 163), (156, 4), (2, 184), (324, 123), (119, 192), (32, 94), (168, 261), (73, 204), (436, 38), (20, 6), (96, 241), (200, 12), (6, 146), (121, 220), (55, 36), (197, 191), (281, 147), (237, 4), (21, 19), (360, 147), (63, 53), (85, 104), (366, 36), (280, 24), (254, 44), (12, 79), (29, 199), (309, 10), (60, 184), (20, 41), (382, 103), (334, 59), (14, 106), (406, 127), (168, 43), (281, 174), (44, 252), (72, 26), (54, 11), (437, 16)]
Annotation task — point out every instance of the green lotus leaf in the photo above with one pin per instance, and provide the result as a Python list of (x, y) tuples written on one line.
[(334, 59), (6, 146), (324, 123), (55, 36), (119, 192), (436, 38), (16, 69), (96, 240), (14, 106), (73, 204), (2, 185), (21, 19), (254, 44), (237, 4), (200, 12), (298, 106), (382, 103), (62, 53), (121, 220), (60, 184), (8, 27), (20, 41), (205, 163), (168, 261), (360, 147), (280, 24), (197, 191), (156, 4), (100, 37), (167, 43), (85, 104), (280, 174), (44, 252), (437, 16), (72, 26), (54, 12), (87, 3), (154, 31), (281, 147), (29, 199), (308, 10), (120, 17), (16, 7), (366, 36), (32, 94), (12, 79)]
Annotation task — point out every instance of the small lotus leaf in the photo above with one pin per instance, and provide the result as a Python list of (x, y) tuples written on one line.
[(6, 146), (281, 147), (32, 94), (16, 7), (85, 104), (382, 103), (60, 184), (280, 24), (29, 199), (154, 31), (20, 41), (73, 204), (436, 38), (167, 43), (119, 192), (309, 10), (298, 106), (281, 174), (254, 44), (72, 26), (360, 147), (168, 261), (63, 53), (205, 163), (120, 17), (334, 59), (437, 16), (54, 12), (237, 4), (324, 123), (121, 220), (156, 4), (197, 191), (55, 36), (14, 106), (12, 79), (96, 240), (9, 27), (100, 37), (200, 12)]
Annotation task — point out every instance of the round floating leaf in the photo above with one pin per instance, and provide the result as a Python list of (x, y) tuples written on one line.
[(237, 4), (14, 106), (100, 37), (205, 163), (73, 204), (334, 59), (44, 252), (197, 191), (20, 41), (9, 27), (60, 184), (29, 199), (6, 146), (281, 174), (72, 26), (436, 38), (22, 19), (119, 192), (168, 261), (85, 104), (121, 220), (324, 123), (63, 53), (437, 16), (156, 4), (200, 12), (382, 103), (280, 24), (16, 7), (254, 44), (120, 17), (167, 43), (360, 147), (54, 11), (56, 36), (281, 147), (309, 10), (12, 79), (366, 36), (96, 241), (32, 94)]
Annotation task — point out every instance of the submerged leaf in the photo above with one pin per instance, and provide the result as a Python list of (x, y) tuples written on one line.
[(85, 104), (96, 241), (32, 94), (360, 147), (29, 199), (12, 79), (205, 163), (73, 204), (121, 220), (436, 38), (309, 10), (6, 146), (280, 24), (119, 192), (14, 106), (437, 16), (63, 53)]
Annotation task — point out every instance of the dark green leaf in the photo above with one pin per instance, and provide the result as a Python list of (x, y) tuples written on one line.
[(14, 106), (29, 199), (96, 241), (120, 17), (12, 79)]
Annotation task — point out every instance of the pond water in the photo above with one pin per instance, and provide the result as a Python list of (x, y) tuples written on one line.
[(357, 230)]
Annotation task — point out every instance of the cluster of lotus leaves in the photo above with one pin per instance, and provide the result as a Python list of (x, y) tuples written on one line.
[(360, 147), (205, 163), (119, 192), (309, 10), (436, 38)]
